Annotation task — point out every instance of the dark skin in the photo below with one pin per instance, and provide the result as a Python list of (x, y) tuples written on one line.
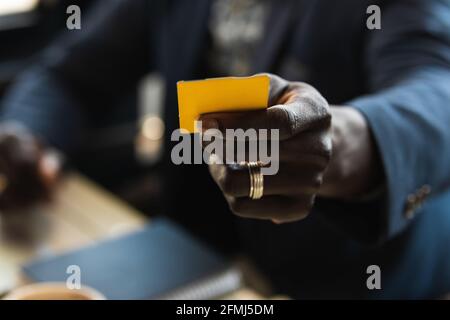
[(325, 151)]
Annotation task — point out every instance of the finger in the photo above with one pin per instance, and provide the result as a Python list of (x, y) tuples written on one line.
[(277, 117), (279, 208), (311, 148), (316, 145), (278, 86), (234, 180), (300, 115)]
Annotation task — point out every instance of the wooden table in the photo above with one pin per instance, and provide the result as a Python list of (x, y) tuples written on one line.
[(81, 214)]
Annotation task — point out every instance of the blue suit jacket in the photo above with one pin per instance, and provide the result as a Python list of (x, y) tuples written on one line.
[(398, 77)]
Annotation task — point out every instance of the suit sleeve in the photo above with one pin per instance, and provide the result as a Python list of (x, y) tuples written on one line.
[(408, 110), (82, 73)]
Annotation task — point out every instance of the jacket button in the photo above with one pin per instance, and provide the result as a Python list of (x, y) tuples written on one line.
[(412, 200), (424, 191), (415, 201), (409, 214), (411, 206)]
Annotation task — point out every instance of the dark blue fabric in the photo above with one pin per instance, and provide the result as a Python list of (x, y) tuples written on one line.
[(398, 77)]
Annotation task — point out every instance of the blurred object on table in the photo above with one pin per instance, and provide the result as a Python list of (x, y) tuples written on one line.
[(81, 213)]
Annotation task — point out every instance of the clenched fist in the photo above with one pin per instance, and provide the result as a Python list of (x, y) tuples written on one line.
[(303, 119)]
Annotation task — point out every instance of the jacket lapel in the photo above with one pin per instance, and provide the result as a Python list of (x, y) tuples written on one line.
[(284, 14), (279, 20), (186, 32)]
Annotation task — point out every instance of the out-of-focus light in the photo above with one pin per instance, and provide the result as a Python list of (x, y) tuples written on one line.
[(149, 141), (17, 6), (153, 128)]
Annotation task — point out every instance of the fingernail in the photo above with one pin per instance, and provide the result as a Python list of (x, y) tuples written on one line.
[(209, 124)]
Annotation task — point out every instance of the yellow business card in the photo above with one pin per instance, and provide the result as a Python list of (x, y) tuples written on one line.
[(220, 95)]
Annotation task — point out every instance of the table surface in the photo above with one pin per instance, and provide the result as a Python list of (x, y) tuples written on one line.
[(80, 214)]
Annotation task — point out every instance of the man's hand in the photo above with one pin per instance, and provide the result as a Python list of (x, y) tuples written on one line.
[(28, 172), (303, 117), (355, 170)]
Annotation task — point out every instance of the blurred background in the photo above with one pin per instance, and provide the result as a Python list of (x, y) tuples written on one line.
[(26, 28), (122, 154)]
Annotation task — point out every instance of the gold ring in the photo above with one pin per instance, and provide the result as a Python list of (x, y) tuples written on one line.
[(256, 180)]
